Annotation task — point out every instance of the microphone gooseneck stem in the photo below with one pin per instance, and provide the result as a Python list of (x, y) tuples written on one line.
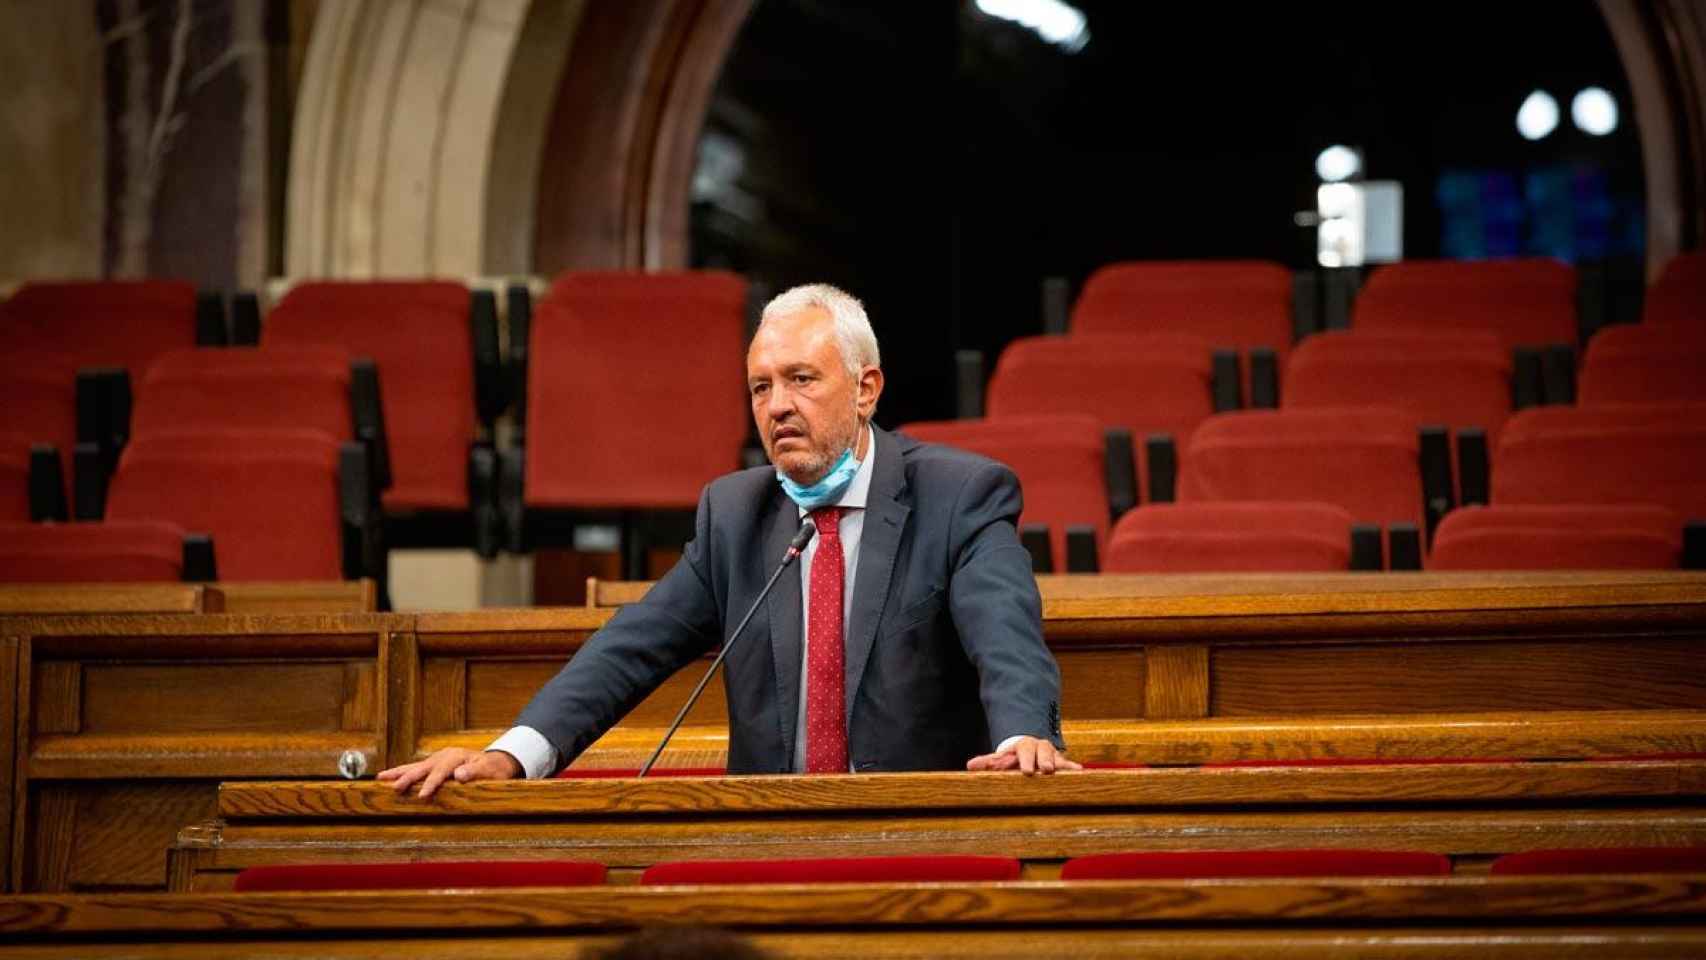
[(807, 531)]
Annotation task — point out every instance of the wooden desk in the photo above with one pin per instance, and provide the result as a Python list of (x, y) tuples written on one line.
[(1471, 812), (1623, 916), (61, 599), (119, 743), (301, 596)]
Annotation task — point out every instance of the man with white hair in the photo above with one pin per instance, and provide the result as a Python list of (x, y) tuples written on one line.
[(911, 638)]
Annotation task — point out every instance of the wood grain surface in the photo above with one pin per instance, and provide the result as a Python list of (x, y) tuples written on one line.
[(17, 599), (1127, 903), (301, 596), (8, 751), (1129, 789)]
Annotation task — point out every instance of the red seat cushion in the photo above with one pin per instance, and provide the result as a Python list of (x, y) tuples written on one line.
[(421, 876), (112, 552), (102, 323), (1645, 363), (1612, 454), (269, 498), (595, 385), (1230, 537), (941, 869), (1679, 295), (1230, 303), (1608, 860), (1565, 537), (1524, 301), (417, 333), (1204, 864), (1363, 460), (272, 388), (1455, 378), (1060, 461)]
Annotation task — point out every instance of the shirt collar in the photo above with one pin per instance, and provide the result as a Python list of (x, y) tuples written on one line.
[(860, 487)]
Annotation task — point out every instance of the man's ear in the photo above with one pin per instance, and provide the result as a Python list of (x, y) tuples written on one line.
[(870, 388)]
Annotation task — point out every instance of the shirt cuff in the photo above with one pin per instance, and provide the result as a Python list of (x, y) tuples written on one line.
[(529, 747), (1007, 744)]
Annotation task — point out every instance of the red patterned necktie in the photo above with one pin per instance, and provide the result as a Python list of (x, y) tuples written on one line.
[(826, 717)]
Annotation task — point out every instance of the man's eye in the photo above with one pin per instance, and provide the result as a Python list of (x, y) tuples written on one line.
[(758, 389), (802, 379)]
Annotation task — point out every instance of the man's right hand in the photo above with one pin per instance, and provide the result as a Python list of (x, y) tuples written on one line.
[(465, 766)]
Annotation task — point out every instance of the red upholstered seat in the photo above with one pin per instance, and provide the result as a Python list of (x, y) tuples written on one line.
[(611, 428), (1206, 864), (269, 498), (1450, 378), (920, 869), (1060, 461), (1148, 384), (421, 876), (1612, 454), (1606, 860), (1525, 301), (1679, 294), (1230, 537), (1363, 460), (113, 552), (101, 323), (14, 478), (1564, 537), (418, 335), (1645, 363), (271, 388), (1236, 304)]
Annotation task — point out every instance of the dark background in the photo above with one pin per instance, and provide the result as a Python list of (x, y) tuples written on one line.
[(939, 163)]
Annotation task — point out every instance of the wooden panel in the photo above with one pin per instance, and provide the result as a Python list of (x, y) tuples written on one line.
[(305, 596), (209, 755), (1111, 789), (215, 697), (1126, 903), (56, 697), (1101, 683), (124, 830), (498, 689), (1457, 677), (48, 822), (444, 694), (1436, 942), (1177, 682), (78, 598), (8, 752), (361, 696)]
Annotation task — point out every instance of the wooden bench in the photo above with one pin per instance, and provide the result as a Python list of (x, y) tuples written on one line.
[(127, 723), (1552, 917), (1471, 812), (306, 596)]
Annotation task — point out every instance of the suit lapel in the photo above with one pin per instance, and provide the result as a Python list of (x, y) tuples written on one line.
[(886, 510), (783, 609)]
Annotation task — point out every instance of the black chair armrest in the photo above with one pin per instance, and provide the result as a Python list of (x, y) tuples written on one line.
[(1525, 378), (1437, 497), (1034, 538), (367, 410), (245, 319), (199, 563), (1474, 473), (489, 387), (968, 384), (512, 505), (89, 474), (1694, 545), (518, 309), (1405, 546), (1264, 379), (1081, 549), (483, 499), (1558, 374), (211, 327), (1120, 468), (1366, 550), (1225, 384), (1057, 305), (46, 484), (1163, 456)]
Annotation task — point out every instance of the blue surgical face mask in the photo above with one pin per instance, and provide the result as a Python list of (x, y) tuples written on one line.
[(825, 491)]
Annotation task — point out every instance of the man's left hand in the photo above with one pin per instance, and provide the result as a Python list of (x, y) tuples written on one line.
[(1028, 755)]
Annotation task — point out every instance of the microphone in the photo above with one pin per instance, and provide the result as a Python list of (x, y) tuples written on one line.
[(795, 546)]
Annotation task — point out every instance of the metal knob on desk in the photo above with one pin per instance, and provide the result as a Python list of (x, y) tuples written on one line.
[(353, 764)]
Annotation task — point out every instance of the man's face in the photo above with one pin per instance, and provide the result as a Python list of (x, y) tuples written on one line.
[(807, 408)]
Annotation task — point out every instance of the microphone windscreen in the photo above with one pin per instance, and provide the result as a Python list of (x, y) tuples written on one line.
[(808, 530)]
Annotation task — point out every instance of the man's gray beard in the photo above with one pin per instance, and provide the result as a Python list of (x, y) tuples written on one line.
[(820, 464)]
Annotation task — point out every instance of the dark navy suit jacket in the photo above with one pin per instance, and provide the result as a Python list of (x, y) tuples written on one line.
[(945, 653)]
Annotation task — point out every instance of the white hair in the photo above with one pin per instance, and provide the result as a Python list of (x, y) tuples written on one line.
[(852, 328)]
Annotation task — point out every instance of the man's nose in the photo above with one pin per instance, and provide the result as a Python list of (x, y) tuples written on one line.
[(778, 402)]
